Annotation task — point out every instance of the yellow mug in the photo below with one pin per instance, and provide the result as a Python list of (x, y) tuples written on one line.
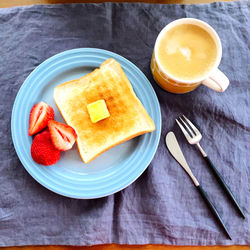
[(214, 79)]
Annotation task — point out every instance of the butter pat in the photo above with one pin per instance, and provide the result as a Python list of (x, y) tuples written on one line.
[(98, 111)]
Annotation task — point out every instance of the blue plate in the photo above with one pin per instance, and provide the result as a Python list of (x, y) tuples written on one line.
[(110, 172)]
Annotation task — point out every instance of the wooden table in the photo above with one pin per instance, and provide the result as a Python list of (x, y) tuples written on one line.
[(11, 3)]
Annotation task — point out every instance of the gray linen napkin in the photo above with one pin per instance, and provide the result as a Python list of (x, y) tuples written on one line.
[(162, 206)]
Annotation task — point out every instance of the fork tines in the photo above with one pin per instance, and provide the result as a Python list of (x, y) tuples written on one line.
[(188, 128)]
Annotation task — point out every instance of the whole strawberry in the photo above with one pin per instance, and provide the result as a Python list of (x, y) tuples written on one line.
[(43, 151)]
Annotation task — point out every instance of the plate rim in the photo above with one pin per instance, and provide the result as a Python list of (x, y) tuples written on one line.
[(82, 50)]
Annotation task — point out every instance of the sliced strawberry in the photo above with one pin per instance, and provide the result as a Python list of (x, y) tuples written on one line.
[(62, 136), (43, 150), (40, 114)]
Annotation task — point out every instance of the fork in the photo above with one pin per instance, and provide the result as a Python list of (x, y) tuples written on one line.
[(194, 136)]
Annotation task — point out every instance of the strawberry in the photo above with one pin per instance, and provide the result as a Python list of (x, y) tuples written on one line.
[(62, 136), (43, 151), (40, 114)]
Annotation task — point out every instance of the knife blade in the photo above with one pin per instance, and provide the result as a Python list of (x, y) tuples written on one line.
[(175, 150)]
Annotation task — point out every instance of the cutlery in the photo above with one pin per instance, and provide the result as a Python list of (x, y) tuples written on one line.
[(175, 150), (193, 137)]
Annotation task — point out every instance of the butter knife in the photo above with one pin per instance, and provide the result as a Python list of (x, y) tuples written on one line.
[(175, 150)]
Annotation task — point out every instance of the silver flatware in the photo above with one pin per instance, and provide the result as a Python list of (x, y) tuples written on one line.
[(194, 136), (175, 150)]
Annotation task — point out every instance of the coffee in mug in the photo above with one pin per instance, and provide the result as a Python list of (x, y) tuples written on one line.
[(187, 53)]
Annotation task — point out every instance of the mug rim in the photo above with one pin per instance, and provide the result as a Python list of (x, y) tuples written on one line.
[(201, 24)]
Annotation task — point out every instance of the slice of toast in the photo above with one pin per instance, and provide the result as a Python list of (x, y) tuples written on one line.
[(128, 118)]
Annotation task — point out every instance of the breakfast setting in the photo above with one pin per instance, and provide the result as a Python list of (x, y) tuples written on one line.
[(125, 125)]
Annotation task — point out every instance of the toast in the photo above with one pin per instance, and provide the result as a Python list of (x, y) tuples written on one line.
[(128, 118)]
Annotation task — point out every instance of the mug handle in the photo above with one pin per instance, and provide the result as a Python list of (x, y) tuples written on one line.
[(217, 81)]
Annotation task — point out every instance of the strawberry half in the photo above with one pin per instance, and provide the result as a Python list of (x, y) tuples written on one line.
[(62, 136), (40, 114), (43, 150)]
